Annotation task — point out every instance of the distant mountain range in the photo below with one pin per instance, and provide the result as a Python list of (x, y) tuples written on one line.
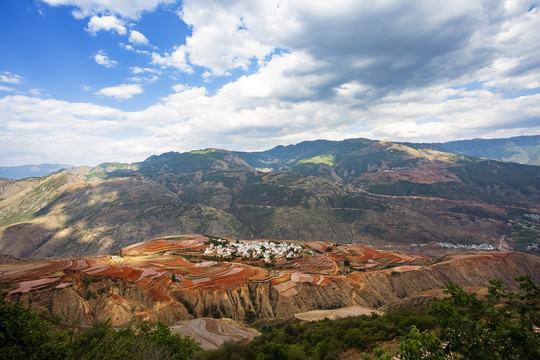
[(521, 149), (357, 190), (25, 171)]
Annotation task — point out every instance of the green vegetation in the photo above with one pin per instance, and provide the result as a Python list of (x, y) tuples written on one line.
[(522, 149), (480, 329), (205, 151), (270, 194), (325, 339), (35, 199), (88, 280), (212, 240), (320, 159), (500, 326), (175, 163), (97, 176), (26, 335), (525, 233)]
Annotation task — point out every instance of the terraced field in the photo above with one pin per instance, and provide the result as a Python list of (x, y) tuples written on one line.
[(212, 333), (174, 279), (173, 263)]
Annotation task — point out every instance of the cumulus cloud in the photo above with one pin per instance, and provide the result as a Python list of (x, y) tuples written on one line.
[(423, 44), (106, 23), (177, 59), (121, 92), (137, 38), (9, 78), (102, 59), (192, 118), (313, 69), (125, 8)]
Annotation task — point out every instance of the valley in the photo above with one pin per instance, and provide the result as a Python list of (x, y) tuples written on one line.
[(295, 234), (379, 194)]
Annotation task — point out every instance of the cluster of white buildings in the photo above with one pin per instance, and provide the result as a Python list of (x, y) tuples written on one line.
[(394, 169), (479, 247), (534, 246), (254, 250), (533, 216)]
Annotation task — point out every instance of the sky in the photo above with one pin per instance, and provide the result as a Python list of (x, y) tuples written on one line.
[(88, 81)]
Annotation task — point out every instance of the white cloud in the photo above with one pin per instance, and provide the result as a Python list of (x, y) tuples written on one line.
[(137, 38), (36, 92), (191, 118), (121, 92), (317, 69), (129, 47), (102, 59), (106, 23), (6, 88), (145, 75), (9, 78), (177, 59), (150, 79), (125, 8), (139, 70), (423, 44)]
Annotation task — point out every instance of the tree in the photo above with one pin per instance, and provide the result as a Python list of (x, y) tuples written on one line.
[(499, 327), (26, 335), (416, 345), (421, 346)]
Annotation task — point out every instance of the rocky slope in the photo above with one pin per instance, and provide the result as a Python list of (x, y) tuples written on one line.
[(172, 279), (356, 190)]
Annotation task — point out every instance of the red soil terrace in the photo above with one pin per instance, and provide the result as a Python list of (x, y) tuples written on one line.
[(151, 264)]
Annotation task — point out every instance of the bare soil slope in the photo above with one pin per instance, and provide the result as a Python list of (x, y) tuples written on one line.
[(172, 279)]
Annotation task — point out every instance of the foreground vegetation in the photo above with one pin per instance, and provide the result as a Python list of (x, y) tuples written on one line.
[(25, 334), (503, 325)]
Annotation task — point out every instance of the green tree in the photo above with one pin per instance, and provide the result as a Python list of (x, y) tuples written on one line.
[(416, 345), (26, 335), (501, 327)]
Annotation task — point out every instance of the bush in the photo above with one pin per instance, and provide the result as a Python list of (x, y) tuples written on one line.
[(26, 335)]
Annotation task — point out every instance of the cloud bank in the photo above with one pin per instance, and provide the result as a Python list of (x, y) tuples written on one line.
[(421, 71)]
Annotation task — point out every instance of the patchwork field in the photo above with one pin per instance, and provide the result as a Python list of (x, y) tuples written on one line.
[(166, 264), (212, 333), (316, 315), (179, 278)]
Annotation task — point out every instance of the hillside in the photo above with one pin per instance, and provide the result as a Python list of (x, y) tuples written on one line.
[(520, 149), (357, 190), (182, 277)]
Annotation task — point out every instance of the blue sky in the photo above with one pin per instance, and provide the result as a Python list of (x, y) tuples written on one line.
[(88, 81)]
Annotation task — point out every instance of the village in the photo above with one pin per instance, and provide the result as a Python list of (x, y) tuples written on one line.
[(266, 250)]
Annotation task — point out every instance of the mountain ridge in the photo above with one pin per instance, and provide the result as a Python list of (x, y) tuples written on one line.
[(357, 190)]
